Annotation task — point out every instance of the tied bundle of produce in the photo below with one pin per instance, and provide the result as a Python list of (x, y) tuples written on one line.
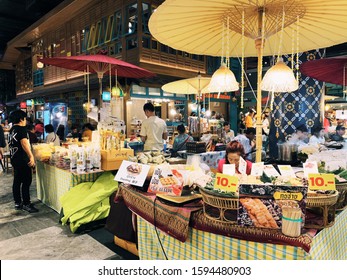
[(291, 221)]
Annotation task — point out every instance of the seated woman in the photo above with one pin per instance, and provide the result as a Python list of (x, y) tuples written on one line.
[(234, 151), (317, 137), (51, 136), (181, 140), (87, 131)]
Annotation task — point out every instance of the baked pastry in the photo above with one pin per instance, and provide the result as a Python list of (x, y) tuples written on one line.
[(134, 168), (167, 181), (258, 212)]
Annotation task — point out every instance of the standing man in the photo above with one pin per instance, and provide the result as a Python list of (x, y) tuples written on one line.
[(22, 161), (153, 129), (227, 134)]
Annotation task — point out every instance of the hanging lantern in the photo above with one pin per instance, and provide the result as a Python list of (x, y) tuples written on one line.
[(117, 92), (279, 78)]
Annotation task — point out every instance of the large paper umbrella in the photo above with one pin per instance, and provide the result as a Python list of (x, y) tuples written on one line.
[(195, 26), (196, 85), (99, 64), (330, 70)]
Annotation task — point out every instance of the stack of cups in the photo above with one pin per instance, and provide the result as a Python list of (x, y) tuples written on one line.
[(291, 221)]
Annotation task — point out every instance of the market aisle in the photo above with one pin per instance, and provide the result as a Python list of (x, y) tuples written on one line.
[(40, 235)]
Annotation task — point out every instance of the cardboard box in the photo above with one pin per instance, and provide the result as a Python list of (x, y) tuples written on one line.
[(112, 159)]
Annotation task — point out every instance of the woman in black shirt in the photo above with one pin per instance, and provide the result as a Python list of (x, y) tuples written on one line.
[(22, 161)]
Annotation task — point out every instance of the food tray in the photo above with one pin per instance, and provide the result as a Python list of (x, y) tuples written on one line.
[(325, 204), (218, 207), (341, 203)]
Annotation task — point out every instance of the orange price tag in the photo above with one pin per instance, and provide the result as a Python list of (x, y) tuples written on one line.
[(226, 183), (321, 181)]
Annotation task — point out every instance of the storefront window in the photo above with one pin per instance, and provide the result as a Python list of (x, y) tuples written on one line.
[(131, 19), (102, 30), (138, 90), (146, 42), (154, 45), (109, 29), (146, 13), (131, 43), (117, 25), (154, 91)]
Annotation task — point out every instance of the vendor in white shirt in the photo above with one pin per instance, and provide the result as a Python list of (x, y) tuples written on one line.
[(153, 130), (299, 137), (317, 138)]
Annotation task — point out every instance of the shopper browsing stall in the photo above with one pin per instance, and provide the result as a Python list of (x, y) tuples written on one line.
[(22, 161), (338, 135), (181, 140), (153, 129), (234, 151), (51, 136)]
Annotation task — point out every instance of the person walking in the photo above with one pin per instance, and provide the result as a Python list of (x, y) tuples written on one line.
[(153, 129), (22, 161)]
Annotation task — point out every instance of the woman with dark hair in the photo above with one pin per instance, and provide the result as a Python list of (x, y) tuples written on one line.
[(61, 132), (22, 161), (87, 131), (317, 137), (181, 140), (233, 152), (51, 136)]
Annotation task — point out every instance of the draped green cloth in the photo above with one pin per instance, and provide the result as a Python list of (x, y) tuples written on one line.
[(87, 202)]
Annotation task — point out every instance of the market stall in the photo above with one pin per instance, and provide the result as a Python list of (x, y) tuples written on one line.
[(275, 212), (185, 233)]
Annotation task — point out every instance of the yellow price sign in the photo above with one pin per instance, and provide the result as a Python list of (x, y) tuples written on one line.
[(288, 196), (226, 183), (321, 181)]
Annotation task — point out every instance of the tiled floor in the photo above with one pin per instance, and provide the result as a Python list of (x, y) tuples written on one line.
[(41, 236)]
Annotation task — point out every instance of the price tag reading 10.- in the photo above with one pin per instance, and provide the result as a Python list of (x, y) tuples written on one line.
[(321, 181), (225, 183)]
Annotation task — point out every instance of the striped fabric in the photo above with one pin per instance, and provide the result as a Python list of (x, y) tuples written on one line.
[(330, 243), (53, 182)]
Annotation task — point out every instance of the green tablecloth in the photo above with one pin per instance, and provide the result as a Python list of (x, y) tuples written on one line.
[(53, 182)]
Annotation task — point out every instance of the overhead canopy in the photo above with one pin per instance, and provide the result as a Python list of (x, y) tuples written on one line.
[(195, 26), (194, 85), (100, 64), (330, 70)]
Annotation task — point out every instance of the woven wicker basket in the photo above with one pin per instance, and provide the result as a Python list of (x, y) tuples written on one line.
[(219, 208), (341, 203), (326, 203)]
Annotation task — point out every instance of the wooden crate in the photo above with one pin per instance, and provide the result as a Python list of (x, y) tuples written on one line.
[(112, 159)]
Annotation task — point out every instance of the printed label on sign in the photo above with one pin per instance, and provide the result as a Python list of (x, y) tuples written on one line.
[(321, 182), (242, 166), (226, 183), (229, 169), (288, 196)]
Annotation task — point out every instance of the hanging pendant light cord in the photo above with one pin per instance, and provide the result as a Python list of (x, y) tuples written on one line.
[(281, 36), (297, 50), (243, 59)]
